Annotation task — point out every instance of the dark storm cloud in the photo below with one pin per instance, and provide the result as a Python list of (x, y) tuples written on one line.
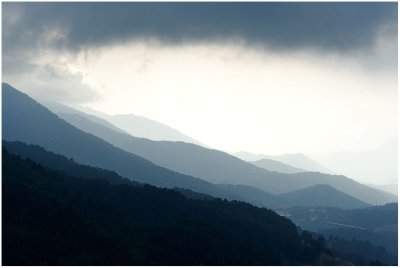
[(29, 29), (336, 26)]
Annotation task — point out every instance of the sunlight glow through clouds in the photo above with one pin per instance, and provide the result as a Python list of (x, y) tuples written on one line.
[(232, 97)]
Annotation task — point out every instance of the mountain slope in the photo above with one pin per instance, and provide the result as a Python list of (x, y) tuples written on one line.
[(372, 218), (58, 108), (64, 220), (299, 161), (139, 126), (376, 224), (257, 197), (273, 165), (71, 168), (323, 196), (221, 168), (62, 164), (26, 120), (143, 127), (244, 193)]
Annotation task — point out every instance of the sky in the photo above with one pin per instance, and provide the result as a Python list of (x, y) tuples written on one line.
[(267, 78)]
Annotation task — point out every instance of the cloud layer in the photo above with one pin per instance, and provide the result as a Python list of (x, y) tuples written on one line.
[(282, 77), (338, 26), (31, 31)]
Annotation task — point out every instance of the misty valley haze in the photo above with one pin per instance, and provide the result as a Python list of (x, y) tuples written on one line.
[(198, 133)]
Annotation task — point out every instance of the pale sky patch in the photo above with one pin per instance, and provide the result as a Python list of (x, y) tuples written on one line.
[(233, 97)]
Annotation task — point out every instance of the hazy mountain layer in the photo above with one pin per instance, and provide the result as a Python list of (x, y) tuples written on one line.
[(58, 108), (26, 120), (51, 160), (273, 165), (299, 161), (143, 127), (323, 196), (257, 197), (313, 196), (221, 168)]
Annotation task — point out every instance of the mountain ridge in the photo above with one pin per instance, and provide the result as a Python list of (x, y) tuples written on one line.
[(295, 160), (322, 195), (221, 168), (142, 127), (26, 120), (273, 165)]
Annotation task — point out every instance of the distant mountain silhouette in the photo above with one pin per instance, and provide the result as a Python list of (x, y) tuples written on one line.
[(257, 197), (250, 157), (323, 196), (273, 165), (26, 120), (299, 161), (58, 108), (142, 127), (221, 168)]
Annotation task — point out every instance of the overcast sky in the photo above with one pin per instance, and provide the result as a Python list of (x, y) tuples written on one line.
[(261, 77)]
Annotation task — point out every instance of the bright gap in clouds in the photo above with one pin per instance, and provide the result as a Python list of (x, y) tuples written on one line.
[(232, 97)]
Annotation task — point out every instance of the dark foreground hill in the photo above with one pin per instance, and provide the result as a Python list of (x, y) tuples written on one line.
[(376, 224), (61, 163), (50, 218)]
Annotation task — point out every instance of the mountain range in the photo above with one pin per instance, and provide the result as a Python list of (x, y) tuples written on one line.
[(88, 168), (221, 168), (273, 165), (26, 120), (313, 196), (299, 161), (137, 126), (69, 168), (321, 195)]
